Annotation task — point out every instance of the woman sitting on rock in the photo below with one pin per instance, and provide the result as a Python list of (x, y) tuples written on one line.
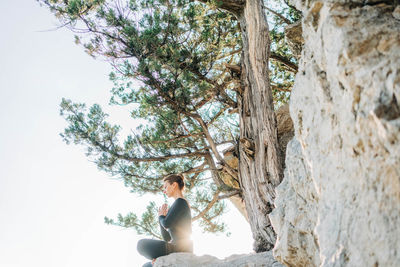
[(175, 224)]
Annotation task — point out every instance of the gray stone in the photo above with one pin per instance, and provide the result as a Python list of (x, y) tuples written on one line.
[(295, 215), (294, 38), (264, 259), (396, 13), (339, 203)]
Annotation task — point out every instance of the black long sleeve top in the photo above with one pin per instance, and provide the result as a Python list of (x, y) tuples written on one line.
[(177, 224)]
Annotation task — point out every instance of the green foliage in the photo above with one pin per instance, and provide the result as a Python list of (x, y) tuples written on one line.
[(147, 224), (169, 59), (281, 77)]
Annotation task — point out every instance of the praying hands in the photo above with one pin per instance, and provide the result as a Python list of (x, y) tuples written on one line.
[(163, 210)]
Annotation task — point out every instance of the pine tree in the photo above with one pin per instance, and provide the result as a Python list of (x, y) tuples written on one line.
[(178, 65)]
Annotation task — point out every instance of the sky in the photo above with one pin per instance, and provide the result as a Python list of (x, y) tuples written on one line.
[(53, 200)]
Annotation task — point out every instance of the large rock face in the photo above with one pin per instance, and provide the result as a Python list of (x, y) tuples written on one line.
[(339, 204), (295, 215), (264, 259)]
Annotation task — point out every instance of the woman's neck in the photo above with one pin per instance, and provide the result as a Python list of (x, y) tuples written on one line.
[(177, 195)]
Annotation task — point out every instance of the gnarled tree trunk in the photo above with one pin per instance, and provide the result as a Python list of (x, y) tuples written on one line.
[(260, 167)]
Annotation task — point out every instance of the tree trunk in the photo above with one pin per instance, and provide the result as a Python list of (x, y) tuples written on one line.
[(260, 167)]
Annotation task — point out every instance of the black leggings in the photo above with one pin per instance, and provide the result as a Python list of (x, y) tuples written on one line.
[(152, 249)]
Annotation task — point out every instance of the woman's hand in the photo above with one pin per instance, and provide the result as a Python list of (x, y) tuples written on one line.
[(163, 210)]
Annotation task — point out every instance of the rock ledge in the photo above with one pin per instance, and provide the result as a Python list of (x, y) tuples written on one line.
[(244, 260)]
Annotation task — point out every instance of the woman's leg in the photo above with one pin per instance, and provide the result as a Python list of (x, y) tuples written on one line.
[(147, 264), (151, 248), (181, 246)]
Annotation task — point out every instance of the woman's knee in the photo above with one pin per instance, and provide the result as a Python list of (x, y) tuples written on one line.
[(151, 248), (147, 264), (141, 246)]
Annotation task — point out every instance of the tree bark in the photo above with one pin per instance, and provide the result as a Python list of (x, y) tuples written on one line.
[(260, 167)]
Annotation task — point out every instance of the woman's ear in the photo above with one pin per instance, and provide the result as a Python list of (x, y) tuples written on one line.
[(175, 185)]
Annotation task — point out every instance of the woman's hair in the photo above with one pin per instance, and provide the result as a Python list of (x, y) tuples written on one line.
[(175, 178)]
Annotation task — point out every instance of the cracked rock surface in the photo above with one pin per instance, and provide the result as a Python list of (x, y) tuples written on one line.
[(339, 203), (264, 259)]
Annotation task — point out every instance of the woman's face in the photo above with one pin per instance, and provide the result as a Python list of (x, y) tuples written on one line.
[(168, 188)]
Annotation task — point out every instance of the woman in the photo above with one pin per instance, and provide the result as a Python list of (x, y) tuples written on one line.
[(175, 224)]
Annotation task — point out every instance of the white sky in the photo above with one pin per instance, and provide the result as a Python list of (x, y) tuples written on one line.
[(52, 199)]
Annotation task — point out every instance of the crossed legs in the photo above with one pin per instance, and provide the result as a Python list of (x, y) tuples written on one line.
[(151, 249)]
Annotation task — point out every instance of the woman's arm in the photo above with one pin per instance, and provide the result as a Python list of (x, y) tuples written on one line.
[(165, 234), (163, 210), (174, 214)]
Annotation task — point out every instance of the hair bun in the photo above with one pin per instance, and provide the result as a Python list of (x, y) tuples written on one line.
[(178, 178)]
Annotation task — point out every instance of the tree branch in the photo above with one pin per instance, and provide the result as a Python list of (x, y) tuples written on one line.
[(163, 158), (209, 206), (237, 192), (234, 68), (234, 6), (220, 112), (176, 138), (287, 21), (230, 53), (218, 88), (293, 67), (278, 88), (104, 148), (196, 169), (214, 149)]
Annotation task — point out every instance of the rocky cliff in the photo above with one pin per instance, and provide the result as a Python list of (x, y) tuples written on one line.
[(339, 203)]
